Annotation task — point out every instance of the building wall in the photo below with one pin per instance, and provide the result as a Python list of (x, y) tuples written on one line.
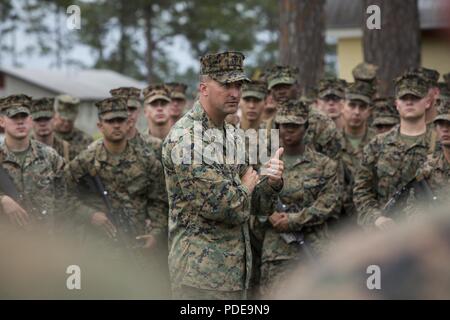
[(16, 86), (435, 54), (349, 54)]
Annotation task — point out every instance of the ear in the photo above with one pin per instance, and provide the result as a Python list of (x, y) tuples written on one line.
[(396, 105), (2, 121), (99, 125), (203, 89), (428, 102)]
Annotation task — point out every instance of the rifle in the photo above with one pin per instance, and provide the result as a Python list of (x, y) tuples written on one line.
[(8, 186), (126, 232), (296, 237), (397, 201)]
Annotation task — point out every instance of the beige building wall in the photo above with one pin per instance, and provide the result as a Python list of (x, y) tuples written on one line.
[(435, 55)]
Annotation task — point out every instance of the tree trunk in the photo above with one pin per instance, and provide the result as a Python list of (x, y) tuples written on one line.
[(396, 46), (150, 45), (302, 42)]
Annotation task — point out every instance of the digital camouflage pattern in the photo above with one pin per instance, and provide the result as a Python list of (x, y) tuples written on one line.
[(387, 164), (384, 112), (42, 108), (295, 112), (39, 179), (359, 90), (436, 171), (224, 67), (67, 107), (111, 108), (154, 143), (351, 158), (209, 211), (411, 83), (156, 92), (321, 134), (255, 89), (15, 104), (365, 72), (312, 193), (132, 94), (135, 184), (430, 75), (331, 86), (281, 75), (443, 111), (177, 90), (77, 139)]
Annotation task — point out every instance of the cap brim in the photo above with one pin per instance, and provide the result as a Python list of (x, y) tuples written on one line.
[(133, 103), (445, 117), (11, 112), (114, 114), (253, 94), (411, 91), (157, 97), (331, 92), (276, 81), (289, 119), (178, 95), (42, 114), (229, 77), (353, 96)]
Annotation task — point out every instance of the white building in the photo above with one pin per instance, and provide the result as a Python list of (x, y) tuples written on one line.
[(87, 85)]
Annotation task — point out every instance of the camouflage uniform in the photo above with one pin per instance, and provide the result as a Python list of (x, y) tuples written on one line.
[(209, 208), (177, 90), (312, 194), (331, 86), (152, 93), (351, 156), (39, 176), (67, 108), (388, 163), (43, 108), (436, 170), (384, 112), (133, 101), (366, 72), (321, 134), (134, 180)]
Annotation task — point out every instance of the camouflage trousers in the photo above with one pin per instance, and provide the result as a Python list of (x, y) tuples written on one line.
[(191, 293)]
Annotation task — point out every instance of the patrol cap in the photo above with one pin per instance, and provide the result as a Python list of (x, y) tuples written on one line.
[(111, 108), (15, 104), (411, 83), (331, 86), (255, 89), (281, 75), (443, 111), (359, 90), (385, 112), (177, 90), (67, 107), (156, 92), (293, 111), (224, 67), (42, 108), (132, 95)]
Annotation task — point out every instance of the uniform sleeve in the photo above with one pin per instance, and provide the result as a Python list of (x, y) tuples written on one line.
[(364, 193), (157, 209), (73, 171), (327, 203)]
